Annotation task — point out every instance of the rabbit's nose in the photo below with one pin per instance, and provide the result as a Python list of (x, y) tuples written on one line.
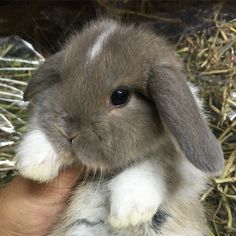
[(70, 135)]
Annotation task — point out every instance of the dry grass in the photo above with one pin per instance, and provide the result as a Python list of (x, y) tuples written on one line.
[(210, 58), (17, 62)]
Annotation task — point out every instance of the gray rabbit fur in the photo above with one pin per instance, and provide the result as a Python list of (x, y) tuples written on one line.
[(153, 153)]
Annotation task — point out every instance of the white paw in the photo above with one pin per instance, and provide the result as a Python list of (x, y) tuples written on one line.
[(131, 211), (41, 172), (136, 195), (36, 159)]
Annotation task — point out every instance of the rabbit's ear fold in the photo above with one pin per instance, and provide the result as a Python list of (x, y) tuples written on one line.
[(45, 76), (180, 113)]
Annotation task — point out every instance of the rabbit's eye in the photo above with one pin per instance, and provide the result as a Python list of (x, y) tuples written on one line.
[(120, 96)]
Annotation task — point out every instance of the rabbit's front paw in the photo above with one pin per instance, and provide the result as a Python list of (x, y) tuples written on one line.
[(132, 210), (36, 159), (41, 172), (136, 195)]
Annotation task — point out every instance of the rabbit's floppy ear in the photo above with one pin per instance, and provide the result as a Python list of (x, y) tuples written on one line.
[(46, 75), (179, 112)]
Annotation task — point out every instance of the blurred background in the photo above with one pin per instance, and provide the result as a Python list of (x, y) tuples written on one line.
[(204, 35)]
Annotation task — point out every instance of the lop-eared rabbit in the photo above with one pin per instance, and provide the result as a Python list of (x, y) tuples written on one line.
[(115, 99)]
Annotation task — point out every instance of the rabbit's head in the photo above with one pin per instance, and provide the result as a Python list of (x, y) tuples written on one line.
[(107, 99)]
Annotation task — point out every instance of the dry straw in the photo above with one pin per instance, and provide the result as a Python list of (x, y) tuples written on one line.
[(210, 58)]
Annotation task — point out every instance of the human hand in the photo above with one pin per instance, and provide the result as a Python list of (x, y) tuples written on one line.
[(30, 208)]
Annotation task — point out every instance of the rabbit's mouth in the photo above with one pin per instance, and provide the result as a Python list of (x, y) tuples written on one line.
[(91, 159)]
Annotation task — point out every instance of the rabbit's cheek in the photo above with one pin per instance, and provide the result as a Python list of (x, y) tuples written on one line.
[(36, 157)]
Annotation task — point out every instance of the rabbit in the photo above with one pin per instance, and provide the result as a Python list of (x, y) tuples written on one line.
[(115, 99)]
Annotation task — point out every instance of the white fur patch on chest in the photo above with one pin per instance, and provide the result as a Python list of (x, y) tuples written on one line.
[(99, 43)]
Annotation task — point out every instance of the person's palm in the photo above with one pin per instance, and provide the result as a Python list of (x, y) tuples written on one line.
[(29, 208)]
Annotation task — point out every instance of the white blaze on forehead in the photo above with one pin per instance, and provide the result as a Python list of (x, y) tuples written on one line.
[(97, 47)]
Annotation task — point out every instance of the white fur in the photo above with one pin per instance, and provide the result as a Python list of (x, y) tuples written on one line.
[(187, 169), (136, 194), (36, 157), (195, 92), (97, 47)]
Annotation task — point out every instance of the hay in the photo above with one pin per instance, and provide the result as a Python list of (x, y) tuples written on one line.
[(210, 58), (17, 62)]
